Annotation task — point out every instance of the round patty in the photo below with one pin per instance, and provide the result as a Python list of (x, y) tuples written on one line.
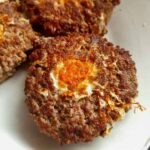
[(16, 37), (58, 17), (78, 86)]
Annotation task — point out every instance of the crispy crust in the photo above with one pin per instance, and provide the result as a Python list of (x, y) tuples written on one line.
[(56, 17), (16, 37), (65, 119)]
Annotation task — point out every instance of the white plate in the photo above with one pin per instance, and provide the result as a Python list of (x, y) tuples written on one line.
[(130, 28)]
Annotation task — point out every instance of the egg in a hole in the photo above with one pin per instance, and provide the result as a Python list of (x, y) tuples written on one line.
[(78, 86)]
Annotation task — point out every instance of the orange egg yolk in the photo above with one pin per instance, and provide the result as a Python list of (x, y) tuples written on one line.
[(75, 75)]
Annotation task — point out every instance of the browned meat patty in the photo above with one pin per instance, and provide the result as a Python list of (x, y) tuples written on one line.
[(16, 37), (78, 86), (59, 17)]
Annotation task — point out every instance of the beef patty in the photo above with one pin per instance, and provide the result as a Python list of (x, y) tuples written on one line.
[(16, 37), (59, 17), (78, 86)]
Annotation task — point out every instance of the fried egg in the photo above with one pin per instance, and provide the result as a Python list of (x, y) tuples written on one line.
[(74, 78)]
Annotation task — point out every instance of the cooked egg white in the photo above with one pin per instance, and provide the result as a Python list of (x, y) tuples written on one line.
[(88, 90), (68, 80)]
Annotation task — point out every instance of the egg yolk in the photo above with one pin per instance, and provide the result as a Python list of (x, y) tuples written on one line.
[(75, 75)]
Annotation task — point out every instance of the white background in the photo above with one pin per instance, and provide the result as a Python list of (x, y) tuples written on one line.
[(129, 28)]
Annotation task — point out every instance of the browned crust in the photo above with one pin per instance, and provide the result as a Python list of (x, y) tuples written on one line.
[(65, 119), (16, 37), (74, 16)]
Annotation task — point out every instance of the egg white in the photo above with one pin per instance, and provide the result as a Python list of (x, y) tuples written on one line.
[(88, 90)]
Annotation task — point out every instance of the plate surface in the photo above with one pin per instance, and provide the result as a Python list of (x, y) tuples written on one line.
[(129, 28)]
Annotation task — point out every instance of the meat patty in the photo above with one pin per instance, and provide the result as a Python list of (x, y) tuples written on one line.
[(16, 37), (78, 86), (59, 17)]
